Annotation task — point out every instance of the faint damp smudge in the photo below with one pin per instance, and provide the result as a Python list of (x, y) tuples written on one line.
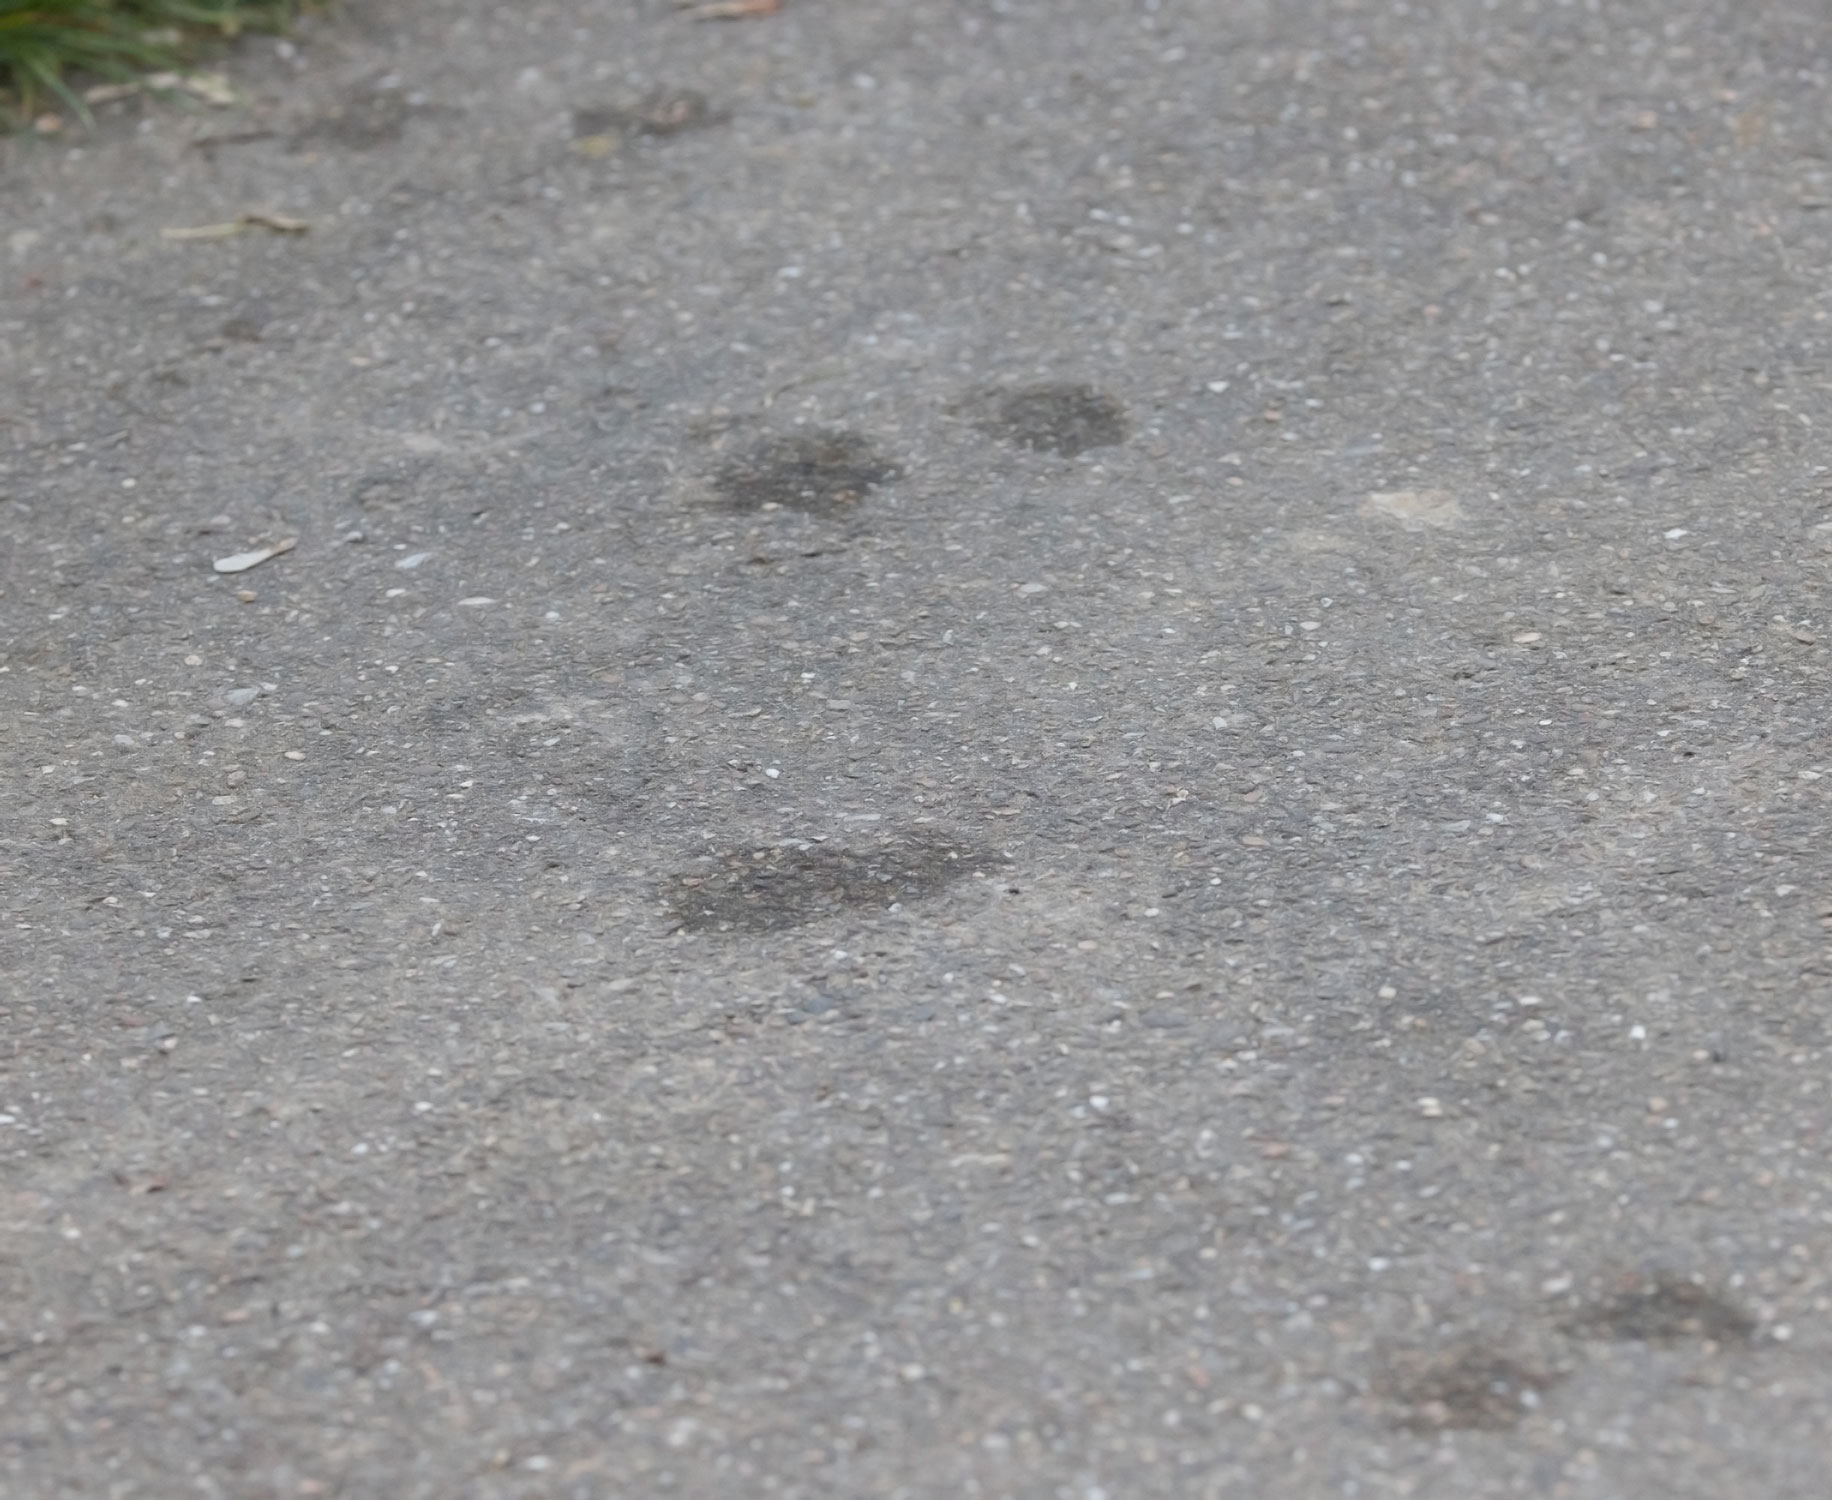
[(1664, 1308), (1471, 1387), (387, 489), (367, 117), (824, 472)]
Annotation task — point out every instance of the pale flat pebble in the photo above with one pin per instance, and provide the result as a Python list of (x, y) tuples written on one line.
[(1414, 509)]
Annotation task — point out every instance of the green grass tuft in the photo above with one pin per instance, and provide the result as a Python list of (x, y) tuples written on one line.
[(47, 45)]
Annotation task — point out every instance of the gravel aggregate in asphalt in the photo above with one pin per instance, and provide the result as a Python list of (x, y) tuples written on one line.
[(1054, 750)]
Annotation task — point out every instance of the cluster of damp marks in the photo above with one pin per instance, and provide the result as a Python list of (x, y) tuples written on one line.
[(824, 472), (829, 470), (1066, 420), (767, 890), (1483, 1386)]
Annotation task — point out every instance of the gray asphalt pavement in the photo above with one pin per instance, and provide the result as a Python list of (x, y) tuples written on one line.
[(1058, 749)]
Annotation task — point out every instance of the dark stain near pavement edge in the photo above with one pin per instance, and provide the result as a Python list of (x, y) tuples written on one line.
[(766, 890), (368, 116), (824, 472), (1061, 419)]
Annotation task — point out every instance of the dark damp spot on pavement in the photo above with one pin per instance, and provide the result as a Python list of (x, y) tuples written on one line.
[(822, 472), (663, 112), (366, 118), (1471, 1387), (766, 890), (1062, 419), (385, 490), (1662, 1308)]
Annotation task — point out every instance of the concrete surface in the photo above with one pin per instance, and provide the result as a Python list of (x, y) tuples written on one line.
[(1015, 749)]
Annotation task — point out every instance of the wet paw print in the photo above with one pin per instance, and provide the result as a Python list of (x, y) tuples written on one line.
[(600, 129), (767, 890), (1062, 419), (1492, 1387), (1664, 1308), (1472, 1387), (368, 117), (824, 472)]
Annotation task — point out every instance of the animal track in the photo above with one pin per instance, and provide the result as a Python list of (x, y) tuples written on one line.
[(1472, 1386), (663, 112), (1061, 419), (766, 890), (824, 472), (1662, 1308)]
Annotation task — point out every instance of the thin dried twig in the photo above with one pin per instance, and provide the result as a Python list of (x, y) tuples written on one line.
[(241, 224), (729, 10)]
